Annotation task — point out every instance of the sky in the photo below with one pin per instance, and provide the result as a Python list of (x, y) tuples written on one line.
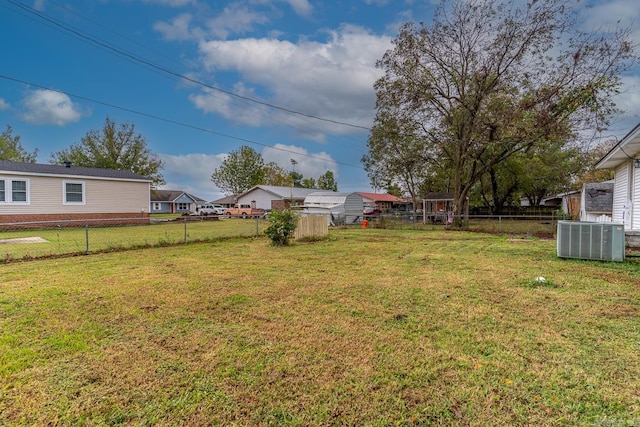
[(292, 79)]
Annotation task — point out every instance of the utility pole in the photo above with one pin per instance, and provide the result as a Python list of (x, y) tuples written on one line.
[(293, 174)]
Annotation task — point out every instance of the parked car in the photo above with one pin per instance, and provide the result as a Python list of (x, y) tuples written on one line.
[(211, 210), (371, 211)]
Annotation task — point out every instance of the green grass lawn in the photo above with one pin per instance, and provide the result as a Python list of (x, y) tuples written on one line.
[(55, 241), (370, 327)]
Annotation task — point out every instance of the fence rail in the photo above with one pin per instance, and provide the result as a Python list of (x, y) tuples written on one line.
[(57, 238)]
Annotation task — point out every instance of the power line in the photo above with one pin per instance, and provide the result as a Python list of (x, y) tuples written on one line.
[(166, 120), (147, 63)]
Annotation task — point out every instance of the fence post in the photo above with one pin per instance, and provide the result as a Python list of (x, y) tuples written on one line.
[(86, 236), (257, 224), (185, 229)]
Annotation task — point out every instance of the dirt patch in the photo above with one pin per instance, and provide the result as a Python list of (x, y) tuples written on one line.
[(23, 240)]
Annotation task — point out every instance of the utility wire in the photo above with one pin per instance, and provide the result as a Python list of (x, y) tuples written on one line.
[(55, 25), (186, 125), (148, 63)]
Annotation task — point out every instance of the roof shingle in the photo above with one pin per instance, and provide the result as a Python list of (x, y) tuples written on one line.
[(62, 170)]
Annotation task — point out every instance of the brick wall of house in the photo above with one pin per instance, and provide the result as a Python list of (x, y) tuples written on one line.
[(73, 220), (278, 205)]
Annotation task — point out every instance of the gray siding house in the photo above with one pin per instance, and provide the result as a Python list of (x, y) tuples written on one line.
[(172, 201)]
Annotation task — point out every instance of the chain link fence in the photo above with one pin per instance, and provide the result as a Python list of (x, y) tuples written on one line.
[(56, 238), (540, 225), (31, 240)]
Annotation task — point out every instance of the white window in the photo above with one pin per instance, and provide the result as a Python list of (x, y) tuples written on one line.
[(14, 191), (156, 206), (73, 193), (182, 206)]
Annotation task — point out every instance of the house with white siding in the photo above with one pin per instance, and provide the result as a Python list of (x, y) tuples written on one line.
[(274, 197), (624, 159), (44, 192)]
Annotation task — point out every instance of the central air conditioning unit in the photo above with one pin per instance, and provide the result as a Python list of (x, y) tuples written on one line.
[(591, 240)]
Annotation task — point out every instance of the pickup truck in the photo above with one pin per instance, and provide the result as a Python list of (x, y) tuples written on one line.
[(244, 211)]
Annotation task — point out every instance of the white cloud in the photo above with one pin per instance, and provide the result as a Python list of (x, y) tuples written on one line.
[(613, 13), (47, 107), (629, 97), (235, 19), (171, 3), (332, 79), (310, 165), (301, 7), (179, 28), (230, 107), (192, 173), (4, 105)]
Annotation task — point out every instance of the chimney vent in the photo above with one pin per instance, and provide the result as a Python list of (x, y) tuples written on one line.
[(67, 163)]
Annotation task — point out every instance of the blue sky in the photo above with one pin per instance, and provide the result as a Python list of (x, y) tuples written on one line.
[(124, 59)]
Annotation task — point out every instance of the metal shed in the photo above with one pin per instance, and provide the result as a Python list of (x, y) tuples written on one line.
[(340, 208)]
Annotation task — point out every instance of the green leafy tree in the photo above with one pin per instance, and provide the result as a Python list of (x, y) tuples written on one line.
[(114, 147), (309, 183), (550, 169), (327, 181), (241, 169), (394, 189), (11, 149), (492, 78), (500, 184), (276, 175), (297, 178)]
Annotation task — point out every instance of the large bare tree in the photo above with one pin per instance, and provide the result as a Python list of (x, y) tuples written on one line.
[(489, 79)]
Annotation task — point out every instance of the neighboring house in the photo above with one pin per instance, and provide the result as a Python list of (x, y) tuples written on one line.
[(568, 202), (624, 159), (597, 202), (173, 201), (385, 202), (43, 192), (226, 202), (438, 207), (340, 208), (278, 198)]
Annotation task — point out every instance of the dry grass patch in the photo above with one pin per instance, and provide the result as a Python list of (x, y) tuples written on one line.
[(370, 327)]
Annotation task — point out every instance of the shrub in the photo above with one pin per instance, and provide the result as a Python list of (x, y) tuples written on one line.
[(281, 227)]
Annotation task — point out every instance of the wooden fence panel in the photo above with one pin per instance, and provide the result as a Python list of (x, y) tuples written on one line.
[(312, 225)]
